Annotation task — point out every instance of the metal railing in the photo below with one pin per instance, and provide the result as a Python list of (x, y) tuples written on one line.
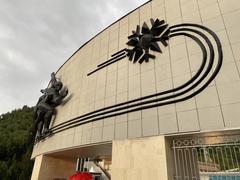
[(207, 158)]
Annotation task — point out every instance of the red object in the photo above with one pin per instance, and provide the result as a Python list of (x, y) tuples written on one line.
[(81, 176)]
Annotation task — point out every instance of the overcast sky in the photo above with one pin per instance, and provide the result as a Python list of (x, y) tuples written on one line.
[(38, 36)]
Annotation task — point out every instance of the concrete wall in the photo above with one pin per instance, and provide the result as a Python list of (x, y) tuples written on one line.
[(216, 108)]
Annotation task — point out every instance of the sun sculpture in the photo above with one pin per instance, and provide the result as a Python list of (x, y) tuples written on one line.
[(147, 39)]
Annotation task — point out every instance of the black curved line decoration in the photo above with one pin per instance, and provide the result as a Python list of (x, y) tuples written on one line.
[(199, 81)]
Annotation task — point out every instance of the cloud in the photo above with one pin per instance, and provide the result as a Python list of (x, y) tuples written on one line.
[(37, 37)]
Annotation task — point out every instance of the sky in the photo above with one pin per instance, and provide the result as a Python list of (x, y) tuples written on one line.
[(38, 36)]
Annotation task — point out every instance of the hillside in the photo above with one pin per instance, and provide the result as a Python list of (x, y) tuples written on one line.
[(15, 148)]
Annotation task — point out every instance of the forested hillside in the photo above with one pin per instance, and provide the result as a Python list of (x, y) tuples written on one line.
[(15, 148)]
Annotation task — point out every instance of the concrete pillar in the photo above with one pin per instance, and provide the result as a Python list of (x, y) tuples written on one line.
[(50, 168), (141, 159)]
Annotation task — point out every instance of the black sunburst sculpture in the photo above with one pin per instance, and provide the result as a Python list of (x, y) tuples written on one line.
[(146, 40)]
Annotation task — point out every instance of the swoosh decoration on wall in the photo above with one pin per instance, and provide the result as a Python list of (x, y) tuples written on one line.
[(211, 62)]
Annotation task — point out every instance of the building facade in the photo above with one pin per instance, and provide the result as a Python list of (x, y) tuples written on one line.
[(166, 117)]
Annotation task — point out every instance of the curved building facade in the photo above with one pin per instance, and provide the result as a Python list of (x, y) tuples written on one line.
[(146, 95)]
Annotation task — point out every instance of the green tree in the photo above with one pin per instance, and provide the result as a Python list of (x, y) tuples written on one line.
[(15, 147)]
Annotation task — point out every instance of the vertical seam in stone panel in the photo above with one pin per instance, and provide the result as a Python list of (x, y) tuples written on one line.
[(127, 76), (169, 54), (155, 75), (189, 67), (220, 105), (106, 80), (230, 44), (139, 21), (114, 125), (96, 86), (90, 103)]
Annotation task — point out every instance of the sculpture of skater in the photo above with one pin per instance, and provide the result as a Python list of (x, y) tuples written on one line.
[(45, 107)]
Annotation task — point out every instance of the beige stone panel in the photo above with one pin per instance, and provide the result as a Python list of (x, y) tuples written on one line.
[(113, 47), (162, 58), (134, 69), (188, 121), (172, 9), (148, 77), (149, 66), (167, 109), (100, 94), (228, 54), (207, 98), (174, 21), (122, 73), (132, 159), (164, 85), (229, 5), (134, 128), (123, 20), (205, 3), (134, 82), (150, 122), (123, 29), (188, 7), (193, 47), (215, 24), (122, 85), (231, 115), (121, 130), (233, 34), (192, 18), (168, 122), (97, 135), (173, 41), (113, 35), (148, 89), (78, 137), (157, 2), (178, 52), (87, 133), (134, 93), (133, 19), (123, 63), (108, 133), (236, 51), (210, 118), (230, 19), (122, 43), (163, 72), (101, 78), (122, 118), (158, 10), (180, 67), (109, 121), (186, 105), (110, 91), (195, 61), (229, 92), (111, 77), (122, 97), (99, 104), (227, 74), (179, 80), (145, 12), (238, 65)]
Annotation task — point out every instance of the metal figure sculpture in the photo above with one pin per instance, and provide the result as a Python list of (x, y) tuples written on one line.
[(45, 108)]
